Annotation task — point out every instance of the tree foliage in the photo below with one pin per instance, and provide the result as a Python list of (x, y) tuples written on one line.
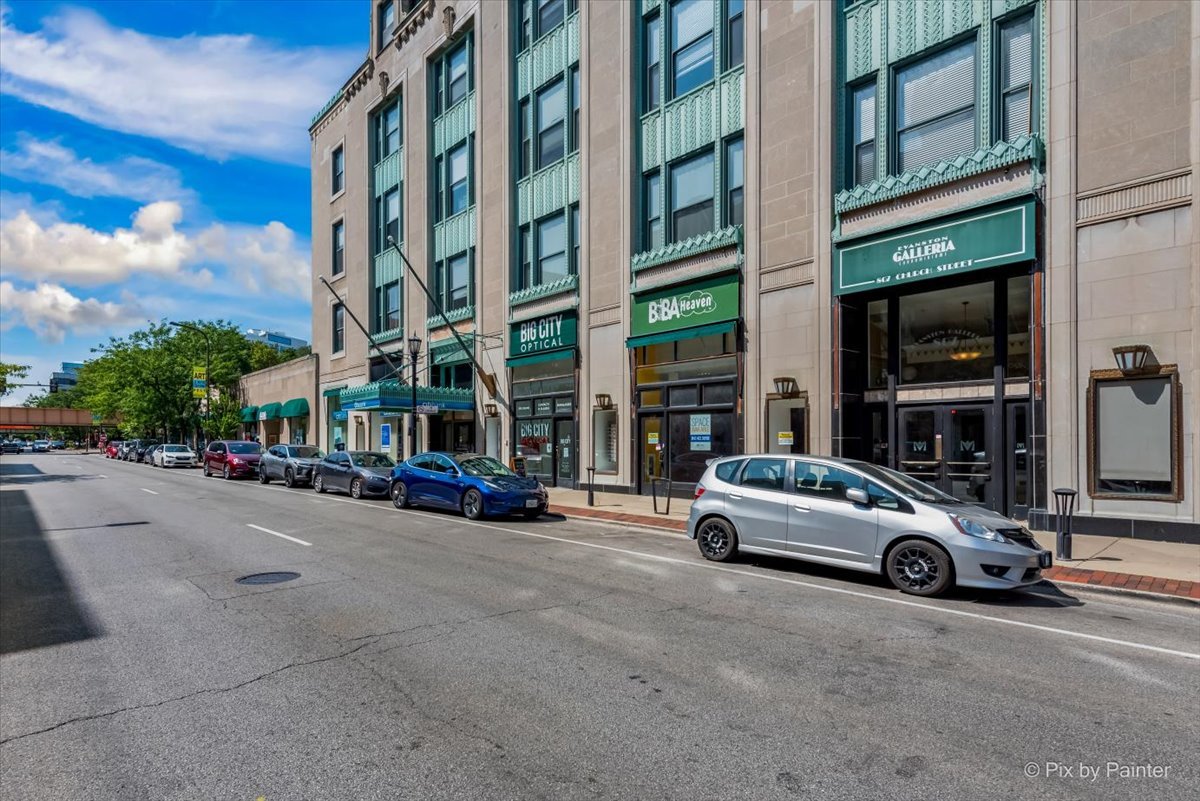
[(9, 373)]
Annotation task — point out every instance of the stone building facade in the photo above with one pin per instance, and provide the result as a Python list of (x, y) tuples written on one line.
[(903, 231)]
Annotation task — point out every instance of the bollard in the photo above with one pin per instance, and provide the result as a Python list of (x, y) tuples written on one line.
[(1064, 508), (591, 471)]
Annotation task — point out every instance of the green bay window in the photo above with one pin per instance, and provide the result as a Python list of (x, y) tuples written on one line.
[(652, 47), (691, 45), (935, 108), (862, 111), (692, 197), (551, 126), (1016, 78)]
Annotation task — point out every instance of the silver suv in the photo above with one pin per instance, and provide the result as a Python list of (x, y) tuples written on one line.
[(861, 516)]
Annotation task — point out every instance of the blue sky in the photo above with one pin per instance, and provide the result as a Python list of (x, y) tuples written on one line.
[(154, 164)]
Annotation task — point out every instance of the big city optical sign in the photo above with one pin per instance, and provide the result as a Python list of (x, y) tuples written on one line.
[(984, 239), (541, 334), (711, 301)]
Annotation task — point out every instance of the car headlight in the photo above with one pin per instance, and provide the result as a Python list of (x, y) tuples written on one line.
[(973, 528)]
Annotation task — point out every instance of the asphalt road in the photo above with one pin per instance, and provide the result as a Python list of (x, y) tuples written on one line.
[(420, 656)]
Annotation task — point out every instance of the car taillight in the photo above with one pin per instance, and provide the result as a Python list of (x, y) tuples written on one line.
[(699, 491)]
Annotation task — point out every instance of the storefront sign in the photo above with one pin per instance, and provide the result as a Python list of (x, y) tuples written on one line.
[(543, 407), (700, 431), (427, 408), (652, 438), (564, 405), (551, 332), (785, 438), (711, 301), (524, 408), (982, 240), (533, 433), (385, 435)]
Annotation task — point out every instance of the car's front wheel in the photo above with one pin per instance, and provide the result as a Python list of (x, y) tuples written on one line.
[(472, 504), (289, 478), (356, 488), (226, 473), (717, 540), (318, 484), (919, 568), (263, 478), (399, 495)]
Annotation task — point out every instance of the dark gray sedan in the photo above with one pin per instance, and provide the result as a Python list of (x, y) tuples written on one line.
[(291, 464), (356, 472)]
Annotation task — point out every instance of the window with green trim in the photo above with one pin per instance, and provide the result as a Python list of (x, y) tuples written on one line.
[(454, 180), (652, 205), (573, 137), (551, 124), (550, 15), (387, 23), (525, 27), (575, 239), (735, 34), (691, 45), (1015, 71), (735, 182), (551, 249), (387, 307), (452, 75), (935, 108), (525, 126), (387, 131), (548, 250), (862, 112), (691, 197), (456, 376), (652, 48), (453, 282), (387, 216)]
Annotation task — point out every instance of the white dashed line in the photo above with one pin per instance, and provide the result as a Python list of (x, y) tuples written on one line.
[(277, 534), (152, 492)]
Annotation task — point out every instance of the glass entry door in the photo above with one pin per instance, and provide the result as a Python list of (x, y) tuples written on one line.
[(949, 447), (652, 449), (564, 446)]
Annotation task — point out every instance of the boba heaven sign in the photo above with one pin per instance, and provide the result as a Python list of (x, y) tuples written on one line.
[(711, 301), (541, 334), (984, 239)]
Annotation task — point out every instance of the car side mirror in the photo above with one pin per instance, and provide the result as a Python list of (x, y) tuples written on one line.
[(856, 495)]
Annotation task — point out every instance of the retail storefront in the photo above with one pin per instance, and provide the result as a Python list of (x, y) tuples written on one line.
[(377, 412), (269, 423), (542, 364), (295, 413), (335, 418), (938, 328), (686, 361), (450, 366)]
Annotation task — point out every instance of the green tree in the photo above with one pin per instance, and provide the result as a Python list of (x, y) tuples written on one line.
[(9, 373)]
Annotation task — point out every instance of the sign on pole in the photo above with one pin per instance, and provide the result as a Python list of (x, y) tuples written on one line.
[(199, 382), (427, 408)]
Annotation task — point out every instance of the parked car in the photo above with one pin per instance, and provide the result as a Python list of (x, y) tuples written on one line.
[(129, 450), (41, 445), (474, 484), (112, 449), (173, 456), (356, 472), (12, 446), (143, 450), (57, 445), (861, 516), (151, 453), (232, 458), (291, 464)]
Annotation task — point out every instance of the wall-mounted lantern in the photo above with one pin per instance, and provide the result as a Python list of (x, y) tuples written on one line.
[(603, 401), (786, 387), (1131, 359), (489, 410)]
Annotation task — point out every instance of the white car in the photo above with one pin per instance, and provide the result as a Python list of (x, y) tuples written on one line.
[(174, 456)]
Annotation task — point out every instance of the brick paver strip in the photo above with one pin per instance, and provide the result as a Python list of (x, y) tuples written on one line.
[(1068, 575)]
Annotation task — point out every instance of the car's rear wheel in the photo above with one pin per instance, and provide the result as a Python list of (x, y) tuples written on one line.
[(318, 484), (717, 540), (289, 478), (919, 568), (472, 504), (399, 495), (262, 476), (356, 488), (226, 473)]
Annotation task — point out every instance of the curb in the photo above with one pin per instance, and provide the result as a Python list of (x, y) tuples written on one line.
[(1145, 595), (662, 523)]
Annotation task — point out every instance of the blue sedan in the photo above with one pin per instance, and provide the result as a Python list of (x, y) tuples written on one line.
[(475, 484)]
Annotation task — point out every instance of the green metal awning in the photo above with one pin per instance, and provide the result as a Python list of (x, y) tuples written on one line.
[(296, 407), (534, 358), (249, 414), (270, 411), (332, 392), (683, 333)]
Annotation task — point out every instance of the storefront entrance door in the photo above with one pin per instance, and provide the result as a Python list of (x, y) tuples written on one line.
[(949, 447), (564, 452), (651, 450)]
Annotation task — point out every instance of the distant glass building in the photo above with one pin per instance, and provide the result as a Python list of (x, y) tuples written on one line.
[(274, 339), (66, 378)]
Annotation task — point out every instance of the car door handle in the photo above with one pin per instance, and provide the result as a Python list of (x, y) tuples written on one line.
[(799, 507), (735, 495)]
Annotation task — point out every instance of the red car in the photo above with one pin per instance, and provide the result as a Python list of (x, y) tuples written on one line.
[(232, 458), (112, 449)]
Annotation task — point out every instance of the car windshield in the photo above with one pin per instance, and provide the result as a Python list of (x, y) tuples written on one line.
[(304, 452), (175, 448), (484, 466), (907, 486), (245, 447), (372, 460)]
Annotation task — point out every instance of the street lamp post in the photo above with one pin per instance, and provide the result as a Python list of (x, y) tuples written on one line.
[(414, 349), (207, 374)]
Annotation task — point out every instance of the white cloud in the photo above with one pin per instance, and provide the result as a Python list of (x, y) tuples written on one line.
[(50, 311), (215, 95), (262, 260), (49, 162)]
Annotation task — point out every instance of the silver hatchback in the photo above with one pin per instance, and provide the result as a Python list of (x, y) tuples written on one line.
[(861, 516)]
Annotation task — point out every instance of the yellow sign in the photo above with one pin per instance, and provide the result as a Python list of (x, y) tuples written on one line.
[(198, 392), (785, 438), (199, 374)]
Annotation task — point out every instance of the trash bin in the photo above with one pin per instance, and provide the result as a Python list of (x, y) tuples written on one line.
[(1064, 510)]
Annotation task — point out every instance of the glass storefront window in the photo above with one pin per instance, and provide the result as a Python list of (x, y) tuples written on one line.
[(1018, 327), (877, 344), (681, 371), (947, 335), (694, 438), (604, 440), (535, 444)]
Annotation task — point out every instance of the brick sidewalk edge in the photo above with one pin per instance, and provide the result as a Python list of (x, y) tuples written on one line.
[(1152, 585)]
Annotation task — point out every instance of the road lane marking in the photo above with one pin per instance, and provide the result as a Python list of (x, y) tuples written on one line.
[(277, 534), (796, 583), (152, 492)]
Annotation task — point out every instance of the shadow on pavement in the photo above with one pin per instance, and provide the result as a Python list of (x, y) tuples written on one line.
[(37, 606), (19, 469)]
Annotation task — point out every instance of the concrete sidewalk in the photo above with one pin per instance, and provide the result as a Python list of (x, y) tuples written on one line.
[(1158, 568)]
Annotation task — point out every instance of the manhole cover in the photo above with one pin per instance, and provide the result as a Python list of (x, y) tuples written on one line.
[(268, 578)]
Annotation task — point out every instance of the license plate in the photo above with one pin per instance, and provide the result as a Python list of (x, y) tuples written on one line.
[(531, 504), (1045, 559)]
